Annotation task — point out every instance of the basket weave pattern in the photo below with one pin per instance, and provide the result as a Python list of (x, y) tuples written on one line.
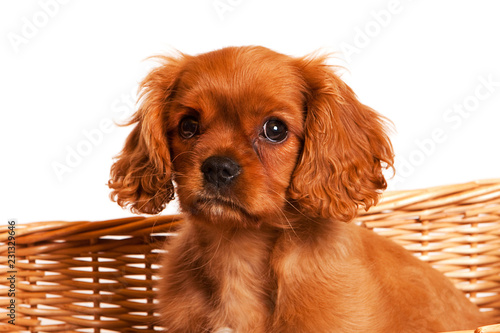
[(100, 276)]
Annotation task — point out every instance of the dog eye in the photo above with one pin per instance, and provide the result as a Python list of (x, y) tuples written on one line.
[(189, 127), (275, 130)]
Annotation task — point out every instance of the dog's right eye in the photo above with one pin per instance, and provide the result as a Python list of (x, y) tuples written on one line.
[(189, 127)]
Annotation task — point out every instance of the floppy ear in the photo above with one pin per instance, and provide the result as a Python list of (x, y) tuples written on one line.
[(345, 148), (141, 175)]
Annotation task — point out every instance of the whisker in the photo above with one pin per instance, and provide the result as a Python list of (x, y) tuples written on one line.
[(280, 210), (180, 154)]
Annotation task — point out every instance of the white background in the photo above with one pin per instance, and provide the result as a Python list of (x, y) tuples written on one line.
[(69, 68)]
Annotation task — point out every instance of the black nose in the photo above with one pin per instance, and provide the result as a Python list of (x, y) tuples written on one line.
[(220, 171)]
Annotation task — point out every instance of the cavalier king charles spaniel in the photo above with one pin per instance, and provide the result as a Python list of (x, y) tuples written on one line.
[(270, 157)]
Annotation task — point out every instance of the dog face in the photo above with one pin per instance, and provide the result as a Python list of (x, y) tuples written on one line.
[(235, 128), (249, 135)]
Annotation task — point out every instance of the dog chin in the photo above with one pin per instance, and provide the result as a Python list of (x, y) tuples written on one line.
[(222, 211)]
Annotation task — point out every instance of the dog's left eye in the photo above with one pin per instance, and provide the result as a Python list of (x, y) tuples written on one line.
[(189, 127), (275, 130)]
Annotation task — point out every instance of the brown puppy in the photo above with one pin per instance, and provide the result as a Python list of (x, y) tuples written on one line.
[(271, 156)]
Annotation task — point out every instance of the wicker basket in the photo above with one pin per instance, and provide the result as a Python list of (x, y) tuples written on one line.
[(99, 276)]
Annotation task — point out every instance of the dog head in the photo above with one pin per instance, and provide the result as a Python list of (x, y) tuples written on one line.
[(247, 134)]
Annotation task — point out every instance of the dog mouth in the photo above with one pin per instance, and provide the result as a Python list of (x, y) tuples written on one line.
[(220, 207)]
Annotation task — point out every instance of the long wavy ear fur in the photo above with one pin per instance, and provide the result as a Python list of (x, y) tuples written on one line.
[(345, 148), (141, 175)]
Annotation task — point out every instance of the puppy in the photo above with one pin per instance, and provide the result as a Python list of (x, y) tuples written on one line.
[(271, 156)]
